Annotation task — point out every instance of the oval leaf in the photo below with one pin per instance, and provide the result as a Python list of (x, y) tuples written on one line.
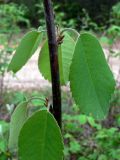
[(72, 32), (25, 50), (91, 79), (66, 51), (18, 118), (40, 138)]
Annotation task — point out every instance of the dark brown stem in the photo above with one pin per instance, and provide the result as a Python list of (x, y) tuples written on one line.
[(53, 52)]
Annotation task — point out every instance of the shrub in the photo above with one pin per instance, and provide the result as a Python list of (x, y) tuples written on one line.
[(11, 15)]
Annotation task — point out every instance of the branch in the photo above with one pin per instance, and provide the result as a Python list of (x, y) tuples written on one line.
[(53, 53)]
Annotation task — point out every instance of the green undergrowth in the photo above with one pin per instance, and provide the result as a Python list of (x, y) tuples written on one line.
[(84, 138)]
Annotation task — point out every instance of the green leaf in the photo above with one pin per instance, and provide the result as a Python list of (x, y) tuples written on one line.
[(18, 118), (91, 79), (104, 40), (40, 138), (75, 147), (72, 33), (91, 121), (25, 50), (66, 51), (3, 144), (82, 119), (102, 157)]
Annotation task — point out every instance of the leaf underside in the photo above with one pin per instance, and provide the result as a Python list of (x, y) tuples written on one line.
[(65, 51), (25, 50), (40, 138), (91, 79), (72, 32), (18, 118)]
